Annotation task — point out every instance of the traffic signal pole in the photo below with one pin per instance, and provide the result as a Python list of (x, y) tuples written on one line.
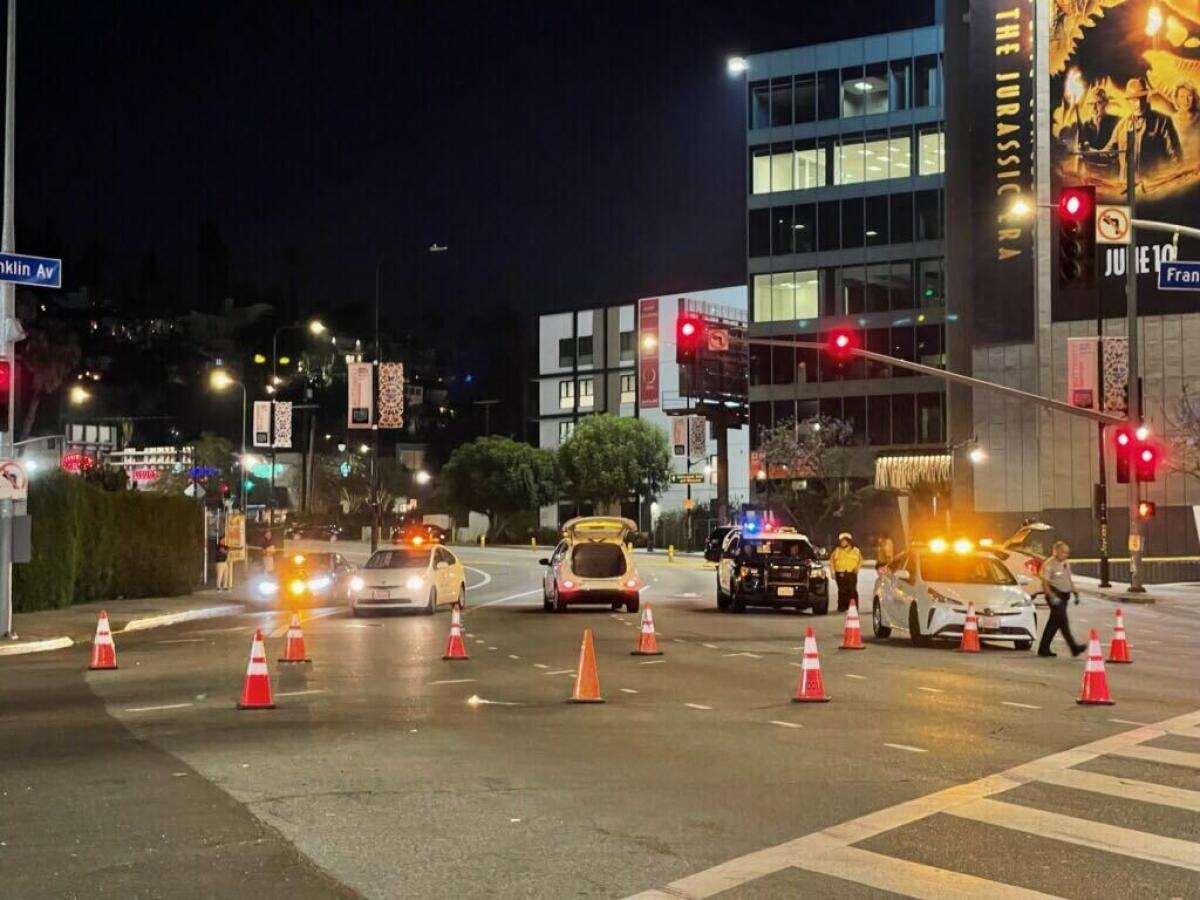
[(8, 321), (1133, 400)]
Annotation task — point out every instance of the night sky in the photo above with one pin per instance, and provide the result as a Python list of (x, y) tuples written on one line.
[(569, 154)]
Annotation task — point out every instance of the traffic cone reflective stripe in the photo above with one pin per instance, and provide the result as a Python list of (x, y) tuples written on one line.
[(1094, 691), (970, 634), (852, 636), (293, 648), (104, 651), (1118, 650), (811, 688), (256, 686), (587, 680), (455, 648), (647, 640)]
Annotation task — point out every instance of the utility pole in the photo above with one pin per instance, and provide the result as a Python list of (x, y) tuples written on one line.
[(8, 312), (1133, 399)]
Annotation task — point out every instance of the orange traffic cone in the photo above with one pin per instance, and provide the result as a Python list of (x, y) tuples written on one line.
[(852, 636), (1094, 691), (104, 652), (256, 686), (647, 641), (587, 681), (455, 648), (811, 688), (1118, 650), (970, 634), (293, 648)]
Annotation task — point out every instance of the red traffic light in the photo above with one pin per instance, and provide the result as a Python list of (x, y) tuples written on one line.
[(1146, 509), (1075, 204), (689, 331), (1123, 437), (842, 341), (5, 374), (687, 328), (1147, 455)]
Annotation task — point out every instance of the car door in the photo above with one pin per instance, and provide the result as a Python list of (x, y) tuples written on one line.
[(905, 592), (455, 574), (895, 604), (551, 573), (725, 566), (443, 573)]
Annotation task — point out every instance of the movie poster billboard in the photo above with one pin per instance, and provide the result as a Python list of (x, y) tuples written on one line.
[(1120, 68)]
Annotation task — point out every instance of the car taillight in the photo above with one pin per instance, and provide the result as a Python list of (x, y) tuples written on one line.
[(631, 583), (1033, 566), (568, 585)]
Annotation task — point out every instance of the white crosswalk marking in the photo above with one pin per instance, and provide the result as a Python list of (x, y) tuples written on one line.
[(831, 852)]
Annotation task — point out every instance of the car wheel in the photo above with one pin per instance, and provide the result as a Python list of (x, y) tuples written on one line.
[(1023, 645), (736, 603), (616, 607), (547, 605), (820, 606), (462, 596), (356, 612), (914, 627), (560, 605), (881, 631), (722, 597), (633, 605), (432, 607)]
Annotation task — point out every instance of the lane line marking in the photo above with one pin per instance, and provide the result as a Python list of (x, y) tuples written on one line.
[(453, 681), (1083, 832), (627, 690), (299, 693), (1018, 705), (930, 690), (154, 708), (492, 648), (1159, 755), (486, 578), (743, 653), (784, 724), (560, 672), (907, 748), (540, 666), (506, 599), (1125, 788), (479, 640), (1131, 722), (513, 656), (652, 662), (710, 646), (697, 706), (184, 641), (856, 677), (679, 640)]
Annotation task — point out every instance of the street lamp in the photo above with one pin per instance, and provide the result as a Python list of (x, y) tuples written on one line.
[(313, 326), (977, 456), (220, 380), (422, 477), (80, 395), (736, 65)]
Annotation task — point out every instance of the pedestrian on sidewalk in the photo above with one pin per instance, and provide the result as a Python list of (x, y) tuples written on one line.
[(1056, 577), (224, 574), (268, 553), (846, 560)]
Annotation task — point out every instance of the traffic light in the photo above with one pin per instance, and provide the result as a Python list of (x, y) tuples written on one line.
[(1123, 444), (1146, 509), (1077, 237), (841, 343), (1146, 460), (5, 392), (689, 332)]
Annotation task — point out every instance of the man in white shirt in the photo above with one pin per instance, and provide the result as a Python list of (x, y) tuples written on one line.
[(1056, 576)]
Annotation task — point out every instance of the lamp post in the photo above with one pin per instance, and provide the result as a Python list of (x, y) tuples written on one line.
[(219, 380), (316, 327)]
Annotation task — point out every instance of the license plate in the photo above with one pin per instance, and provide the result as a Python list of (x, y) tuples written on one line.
[(787, 592), (381, 595), (989, 621)]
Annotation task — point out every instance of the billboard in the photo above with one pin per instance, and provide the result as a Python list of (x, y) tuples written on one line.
[(648, 339), (1117, 65)]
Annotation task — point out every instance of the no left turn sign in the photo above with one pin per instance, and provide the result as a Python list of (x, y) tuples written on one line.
[(1112, 225)]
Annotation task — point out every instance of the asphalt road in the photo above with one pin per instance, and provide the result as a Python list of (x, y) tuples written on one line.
[(930, 774)]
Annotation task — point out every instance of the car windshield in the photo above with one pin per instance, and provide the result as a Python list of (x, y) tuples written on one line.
[(601, 560), (1037, 542), (309, 562), (964, 570), (777, 549), (404, 558)]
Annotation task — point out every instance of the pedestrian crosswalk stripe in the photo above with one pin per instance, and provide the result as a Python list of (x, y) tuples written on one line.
[(1160, 755), (1096, 835), (1125, 788)]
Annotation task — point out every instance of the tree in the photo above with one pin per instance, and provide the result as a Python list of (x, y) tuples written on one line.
[(1184, 435), (208, 452), (809, 468), (610, 459), (51, 356), (501, 478)]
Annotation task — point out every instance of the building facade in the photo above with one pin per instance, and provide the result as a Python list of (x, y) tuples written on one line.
[(600, 361), (845, 212)]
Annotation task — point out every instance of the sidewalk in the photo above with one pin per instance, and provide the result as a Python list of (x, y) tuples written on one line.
[(1155, 593), (53, 629)]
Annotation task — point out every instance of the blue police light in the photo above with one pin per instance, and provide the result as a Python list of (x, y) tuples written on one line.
[(752, 526)]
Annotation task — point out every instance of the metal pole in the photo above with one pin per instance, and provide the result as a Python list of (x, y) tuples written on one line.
[(242, 467), (722, 471), (271, 429), (1133, 401), (377, 512), (1102, 499), (7, 314)]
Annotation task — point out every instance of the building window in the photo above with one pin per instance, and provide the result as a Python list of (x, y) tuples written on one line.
[(829, 225), (930, 284), (865, 94), (904, 423), (879, 421), (585, 351), (901, 218), (829, 94), (875, 158), (565, 430), (876, 232), (929, 216), (760, 104), (786, 296), (759, 232), (566, 395), (626, 346), (930, 428), (900, 83), (566, 352), (586, 396), (931, 152), (927, 82), (804, 93), (628, 388), (852, 222), (804, 228), (783, 237), (781, 102)]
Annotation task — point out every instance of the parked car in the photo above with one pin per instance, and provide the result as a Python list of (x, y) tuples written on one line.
[(925, 592), (712, 544), (424, 530), (1024, 552), (415, 576), (777, 568), (304, 579), (592, 564), (314, 532)]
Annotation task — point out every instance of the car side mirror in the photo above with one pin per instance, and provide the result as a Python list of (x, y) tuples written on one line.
[(442, 565), (1024, 580), (543, 561), (902, 574)]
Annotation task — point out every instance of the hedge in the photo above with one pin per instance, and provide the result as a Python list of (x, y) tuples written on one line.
[(91, 545)]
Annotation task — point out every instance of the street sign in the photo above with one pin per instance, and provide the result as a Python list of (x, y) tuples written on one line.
[(687, 478), (36, 271), (1179, 276), (688, 504), (1113, 224), (14, 483), (718, 340), (1135, 543)]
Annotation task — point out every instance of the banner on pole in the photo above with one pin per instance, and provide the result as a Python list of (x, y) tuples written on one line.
[(262, 423), (360, 411), (679, 435), (283, 424), (1083, 373), (391, 395), (697, 437)]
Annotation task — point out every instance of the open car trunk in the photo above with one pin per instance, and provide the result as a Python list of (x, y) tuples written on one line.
[(598, 560)]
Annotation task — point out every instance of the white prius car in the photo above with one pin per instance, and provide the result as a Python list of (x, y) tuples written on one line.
[(925, 592), (416, 575)]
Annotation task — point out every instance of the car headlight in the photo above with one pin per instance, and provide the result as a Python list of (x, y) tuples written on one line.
[(319, 584), (415, 583), (267, 588), (938, 597), (356, 583)]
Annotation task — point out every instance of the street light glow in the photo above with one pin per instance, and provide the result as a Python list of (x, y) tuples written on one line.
[(736, 65), (316, 326), (422, 477), (1020, 207), (977, 456), (80, 395), (1142, 432), (219, 380), (364, 449), (649, 342)]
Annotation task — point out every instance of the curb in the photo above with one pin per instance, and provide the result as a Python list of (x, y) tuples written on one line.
[(18, 649), (1136, 599), (207, 612)]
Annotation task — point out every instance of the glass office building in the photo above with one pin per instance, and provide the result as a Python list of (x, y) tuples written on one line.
[(845, 155)]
